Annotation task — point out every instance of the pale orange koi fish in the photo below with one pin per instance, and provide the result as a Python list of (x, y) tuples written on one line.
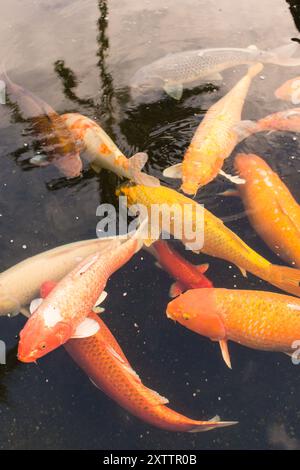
[(102, 359), (272, 210), (63, 314), (103, 152), (214, 139), (285, 121), (289, 91), (256, 319)]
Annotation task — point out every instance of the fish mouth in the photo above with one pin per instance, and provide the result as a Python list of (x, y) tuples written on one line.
[(31, 357)]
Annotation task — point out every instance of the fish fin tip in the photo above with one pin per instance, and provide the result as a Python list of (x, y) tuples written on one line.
[(202, 268), (174, 90), (225, 352), (174, 171), (34, 304), (88, 327), (233, 178), (136, 163), (176, 289)]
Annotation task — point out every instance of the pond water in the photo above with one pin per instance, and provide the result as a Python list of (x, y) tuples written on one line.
[(79, 56)]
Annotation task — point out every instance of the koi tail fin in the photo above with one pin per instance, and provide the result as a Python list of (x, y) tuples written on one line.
[(287, 279), (282, 55), (213, 423), (136, 163)]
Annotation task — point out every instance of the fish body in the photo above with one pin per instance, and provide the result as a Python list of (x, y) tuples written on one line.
[(175, 70), (219, 240), (102, 359), (271, 208), (21, 283), (256, 319), (187, 275), (289, 91), (103, 152), (215, 137), (63, 314), (49, 128), (284, 121)]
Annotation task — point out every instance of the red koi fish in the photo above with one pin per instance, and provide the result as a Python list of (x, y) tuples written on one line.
[(103, 360), (187, 275)]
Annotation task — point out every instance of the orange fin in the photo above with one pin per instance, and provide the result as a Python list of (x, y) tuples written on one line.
[(213, 423), (225, 353), (230, 193), (176, 289), (202, 268), (136, 163), (243, 271)]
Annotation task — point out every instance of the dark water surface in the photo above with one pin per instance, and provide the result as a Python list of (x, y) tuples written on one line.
[(79, 56)]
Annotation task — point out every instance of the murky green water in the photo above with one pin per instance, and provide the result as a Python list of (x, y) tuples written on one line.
[(79, 56)]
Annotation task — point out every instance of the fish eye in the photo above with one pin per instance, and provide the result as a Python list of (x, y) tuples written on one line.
[(42, 346)]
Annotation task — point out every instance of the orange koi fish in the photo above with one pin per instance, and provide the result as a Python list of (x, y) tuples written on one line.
[(103, 360), (57, 141), (285, 121), (289, 91), (219, 240), (272, 210), (103, 152), (187, 275), (63, 314), (214, 139), (256, 319)]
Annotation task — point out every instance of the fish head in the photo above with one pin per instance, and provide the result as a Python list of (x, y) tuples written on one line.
[(196, 310), (38, 339), (247, 165)]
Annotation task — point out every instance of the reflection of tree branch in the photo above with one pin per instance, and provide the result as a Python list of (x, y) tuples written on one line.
[(295, 11), (69, 82), (106, 79)]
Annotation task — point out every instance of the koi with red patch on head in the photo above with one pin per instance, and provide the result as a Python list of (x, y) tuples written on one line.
[(63, 314)]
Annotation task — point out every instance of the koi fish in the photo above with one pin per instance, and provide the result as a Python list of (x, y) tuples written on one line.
[(103, 152), (64, 313), (57, 141), (272, 210), (102, 359), (285, 121), (214, 139), (289, 91), (173, 71), (218, 240), (187, 275), (21, 283), (256, 319)]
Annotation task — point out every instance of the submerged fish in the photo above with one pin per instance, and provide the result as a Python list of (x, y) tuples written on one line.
[(285, 121), (103, 152), (256, 319), (102, 359), (214, 139), (219, 240), (174, 70), (64, 313), (289, 91), (187, 275), (272, 210), (57, 141), (21, 283)]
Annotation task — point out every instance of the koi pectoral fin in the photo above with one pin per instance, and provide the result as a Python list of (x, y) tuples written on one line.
[(225, 353), (233, 178), (136, 163), (175, 90), (176, 289), (174, 171), (87, 328)]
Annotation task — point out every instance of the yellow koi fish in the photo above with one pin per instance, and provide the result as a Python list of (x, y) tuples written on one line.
[(103, 152), (219, 240), (214, 139)]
